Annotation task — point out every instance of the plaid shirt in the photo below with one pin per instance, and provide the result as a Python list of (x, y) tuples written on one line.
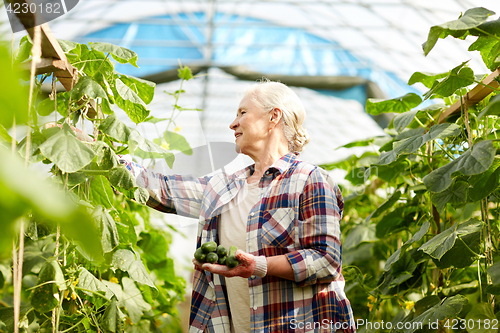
[(298, 216)]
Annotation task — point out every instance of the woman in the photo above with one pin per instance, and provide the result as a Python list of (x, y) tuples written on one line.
[(283, 215)]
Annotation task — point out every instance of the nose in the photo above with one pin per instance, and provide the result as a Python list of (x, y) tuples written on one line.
[(234, 124)]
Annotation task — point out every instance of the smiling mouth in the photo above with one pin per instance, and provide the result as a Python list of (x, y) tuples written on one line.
[(238, 135)]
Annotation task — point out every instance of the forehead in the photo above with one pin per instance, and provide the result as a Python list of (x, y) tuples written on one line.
[(247, 102)]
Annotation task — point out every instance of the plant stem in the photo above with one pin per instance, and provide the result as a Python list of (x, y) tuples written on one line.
[(447, 152)]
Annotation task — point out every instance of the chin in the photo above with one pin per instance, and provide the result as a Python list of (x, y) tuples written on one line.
[(237, 149)]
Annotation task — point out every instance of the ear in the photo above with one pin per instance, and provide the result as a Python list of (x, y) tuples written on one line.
[(276, 115)]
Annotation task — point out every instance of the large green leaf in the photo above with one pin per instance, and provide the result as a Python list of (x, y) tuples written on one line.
[(106, 157), (427, 79), (447, 308), (482, 313), (484, 184), (120, 54), (128, 100), (22, 192), (66, 151), (415, 238), (113, 317), (47, 106), (127, 261), (489, 47), (87, 87), (463, 253), (397, 220), (475, 160), (100, 192), (493, 108), (116, 129), (396, 105), (23, 52), (404, 119), (90, 285), (413, 143), (177, 142), (129, 297), (143, 88), (122, 178), (385, 205), (443, 242), (360, 234), (107, 229), (494, 272), (470, 19), (459, 77), (72, 50), (94, 63), (455, 194), (14, 96), (154, 246), (50, 281)]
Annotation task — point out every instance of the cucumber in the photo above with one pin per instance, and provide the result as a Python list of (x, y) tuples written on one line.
[(221, 251), (222, 260), (209, 247), (212, 258), (231, 261), (199, 255)]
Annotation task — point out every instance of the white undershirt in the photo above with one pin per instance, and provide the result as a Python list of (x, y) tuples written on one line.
[(232, 231)]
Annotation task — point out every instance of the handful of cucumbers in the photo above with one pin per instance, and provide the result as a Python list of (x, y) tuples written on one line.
[(210, 253)]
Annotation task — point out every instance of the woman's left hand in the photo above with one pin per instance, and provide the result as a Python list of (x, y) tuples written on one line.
[(245, 268)]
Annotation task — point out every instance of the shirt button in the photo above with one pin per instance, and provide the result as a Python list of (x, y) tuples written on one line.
[(255, 307), (252, 213), (252, 277)]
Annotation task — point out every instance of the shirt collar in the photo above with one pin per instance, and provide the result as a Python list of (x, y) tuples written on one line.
[(280, 165)]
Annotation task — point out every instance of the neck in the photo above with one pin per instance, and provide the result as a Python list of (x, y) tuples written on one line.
[(265, 159)]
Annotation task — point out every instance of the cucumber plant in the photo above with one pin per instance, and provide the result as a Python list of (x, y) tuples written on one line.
[(422, 242), (86, 257)]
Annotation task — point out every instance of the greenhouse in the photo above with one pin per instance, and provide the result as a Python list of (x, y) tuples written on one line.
[(262, 166)]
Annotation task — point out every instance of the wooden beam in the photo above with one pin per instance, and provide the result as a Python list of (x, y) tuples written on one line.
[(477, 94)]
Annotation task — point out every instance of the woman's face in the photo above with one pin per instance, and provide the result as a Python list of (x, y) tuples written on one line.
[(251, 126)]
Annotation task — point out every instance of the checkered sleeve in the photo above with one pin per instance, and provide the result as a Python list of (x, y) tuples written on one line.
[(169, 194), (319, 259)]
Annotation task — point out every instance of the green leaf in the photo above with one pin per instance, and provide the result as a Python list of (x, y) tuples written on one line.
[(107, 229), (116, 129), (475, 160), (493, 108), (415, 238), (128, 100), (72, 50), (397, 220), (4, 135), (386, 205), (91, 285), (14, 96), (23, 52), (484, 184), (455, 195), (177, 142), (113, 317), (459, 77), (494, 272), (143, 88), (479, 314), (403, 269), (154, 246), (470, 19), (121, 177), (447, 308), (129, 297), (127, 261), (106, 107), (88, 87), (50, 282), (463, 253), (94, 63), (443, 242), (404, 119), (360, 234), (154, 120), (489, 47), (413, 143), (396, 105), (66, 151), (47, 106), (427, 79), (106, 157), (184, 72), (120, 54)]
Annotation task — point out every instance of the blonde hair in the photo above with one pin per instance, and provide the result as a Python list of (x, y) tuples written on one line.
[(270, 95)]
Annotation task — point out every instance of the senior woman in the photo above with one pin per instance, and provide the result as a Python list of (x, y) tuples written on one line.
[(282, 213)]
